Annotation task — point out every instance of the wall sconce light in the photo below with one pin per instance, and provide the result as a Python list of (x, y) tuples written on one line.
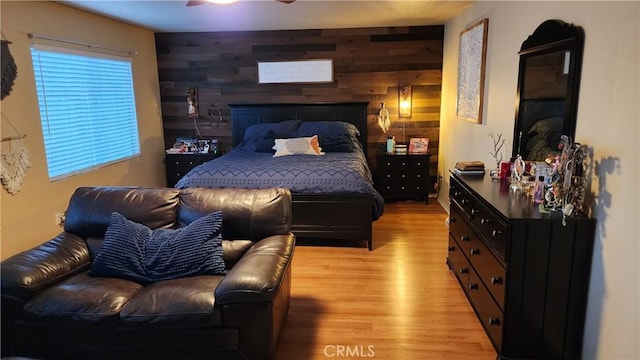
[(404, 101)]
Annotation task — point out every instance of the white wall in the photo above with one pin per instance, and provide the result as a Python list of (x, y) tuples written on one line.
[(28, 218), (608, 117)]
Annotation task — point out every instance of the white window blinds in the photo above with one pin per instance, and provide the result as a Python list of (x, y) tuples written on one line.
[(87, 109)]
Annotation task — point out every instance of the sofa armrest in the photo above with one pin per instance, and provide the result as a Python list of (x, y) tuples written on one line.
[(33, 270), (257, 276)]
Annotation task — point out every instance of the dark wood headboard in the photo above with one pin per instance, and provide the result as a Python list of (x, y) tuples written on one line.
[(245, 115)]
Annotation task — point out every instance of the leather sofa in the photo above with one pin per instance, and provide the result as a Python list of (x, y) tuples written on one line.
[(52, 308)]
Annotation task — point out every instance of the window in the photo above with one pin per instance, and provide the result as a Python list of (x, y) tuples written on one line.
[(87, 109)]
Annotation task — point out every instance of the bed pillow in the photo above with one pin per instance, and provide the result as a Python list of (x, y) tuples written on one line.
[(261, 137), (298, 146), (134, 252), (334, 136)]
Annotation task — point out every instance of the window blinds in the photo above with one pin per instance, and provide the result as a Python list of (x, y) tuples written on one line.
[(87, 109)]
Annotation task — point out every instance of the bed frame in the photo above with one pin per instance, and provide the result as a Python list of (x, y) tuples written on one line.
[(337, 218)]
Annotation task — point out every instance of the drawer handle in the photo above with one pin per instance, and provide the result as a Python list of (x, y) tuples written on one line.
[(403, 164), (452, 220), (452, 248), (494, 321), (475, 251), (419, 163), (464, 238), (464, 271), (388, 163), (496, 280), (474, 211), (473, 286), (177, 162), (403, 175), (464, 201), (418, 175), (388, 175), (496, 233), (485, 221)]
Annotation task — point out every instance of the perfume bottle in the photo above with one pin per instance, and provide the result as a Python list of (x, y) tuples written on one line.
[(538, 192)]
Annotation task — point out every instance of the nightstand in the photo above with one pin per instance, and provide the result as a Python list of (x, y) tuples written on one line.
[(403, 177), (177, 165)]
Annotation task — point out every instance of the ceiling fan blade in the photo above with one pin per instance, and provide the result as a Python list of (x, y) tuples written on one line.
[(286, 1), (195, 2)]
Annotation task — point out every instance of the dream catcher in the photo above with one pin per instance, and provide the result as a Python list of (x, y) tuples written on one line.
[(383, 118)]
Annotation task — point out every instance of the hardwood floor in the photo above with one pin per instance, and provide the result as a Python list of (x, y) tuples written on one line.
[(399, 301)]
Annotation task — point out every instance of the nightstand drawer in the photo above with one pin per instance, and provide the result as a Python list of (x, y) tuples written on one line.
[(177, 165), (403, 177)]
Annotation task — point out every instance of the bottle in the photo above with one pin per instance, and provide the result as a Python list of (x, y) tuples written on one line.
[(391, 144), (538, 192)]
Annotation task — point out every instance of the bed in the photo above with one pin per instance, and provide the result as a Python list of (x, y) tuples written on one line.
[(333, 195)]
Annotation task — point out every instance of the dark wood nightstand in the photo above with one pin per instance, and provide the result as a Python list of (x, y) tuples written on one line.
[(403, 177), (177, 165)]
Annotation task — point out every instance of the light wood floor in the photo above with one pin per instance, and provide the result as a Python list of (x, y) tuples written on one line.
[(399, 301)]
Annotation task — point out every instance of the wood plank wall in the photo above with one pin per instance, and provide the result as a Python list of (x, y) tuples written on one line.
[(369, 65)]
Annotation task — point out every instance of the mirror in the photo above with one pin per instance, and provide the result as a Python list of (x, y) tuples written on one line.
[(548, 85)]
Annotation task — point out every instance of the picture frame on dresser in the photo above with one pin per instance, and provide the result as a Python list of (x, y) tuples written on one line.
[(418, 145)]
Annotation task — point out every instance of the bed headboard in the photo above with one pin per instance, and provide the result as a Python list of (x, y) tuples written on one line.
[(245, 115)]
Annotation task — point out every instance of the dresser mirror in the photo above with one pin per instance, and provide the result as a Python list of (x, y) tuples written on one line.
[(548, 85)]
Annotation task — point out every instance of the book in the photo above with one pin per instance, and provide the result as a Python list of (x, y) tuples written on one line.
[(468, 172)]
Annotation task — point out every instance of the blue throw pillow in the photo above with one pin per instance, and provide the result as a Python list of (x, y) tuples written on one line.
[(134, 252), (334, 136), (260, 137)]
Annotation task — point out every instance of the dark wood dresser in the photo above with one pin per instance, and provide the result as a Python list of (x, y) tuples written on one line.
[(403, 177), (177, 165), (525, 274)]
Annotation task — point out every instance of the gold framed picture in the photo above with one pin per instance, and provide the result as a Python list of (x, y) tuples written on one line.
[(418, 145), (471, 67)]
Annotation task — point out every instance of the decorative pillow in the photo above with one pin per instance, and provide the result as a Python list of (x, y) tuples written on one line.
[(298, 146), (260, 137), (134, 252), (334, 136)]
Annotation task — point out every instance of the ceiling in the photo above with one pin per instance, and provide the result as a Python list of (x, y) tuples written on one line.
[(248, 15)]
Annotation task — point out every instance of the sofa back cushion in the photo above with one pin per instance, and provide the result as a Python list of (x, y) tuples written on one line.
[(90, 208), (247, 214)]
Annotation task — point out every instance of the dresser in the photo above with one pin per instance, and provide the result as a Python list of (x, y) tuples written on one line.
[(525, 273), (177, 165), (403, 177)]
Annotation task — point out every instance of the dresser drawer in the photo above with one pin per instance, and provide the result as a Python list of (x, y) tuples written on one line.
[(490, 227), (489, 269), (458, 263), (487, 310), (459, 195), (459, 229)]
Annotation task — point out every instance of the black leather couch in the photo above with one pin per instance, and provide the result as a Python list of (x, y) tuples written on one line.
[(53, 309)]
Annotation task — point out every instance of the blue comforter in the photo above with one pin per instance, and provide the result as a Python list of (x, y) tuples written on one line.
[(331, 173)]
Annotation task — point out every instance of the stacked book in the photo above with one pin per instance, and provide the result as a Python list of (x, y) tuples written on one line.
[(469, 168)]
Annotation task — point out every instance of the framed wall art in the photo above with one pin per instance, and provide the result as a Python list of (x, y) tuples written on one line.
[(471, 66), (298, 71)]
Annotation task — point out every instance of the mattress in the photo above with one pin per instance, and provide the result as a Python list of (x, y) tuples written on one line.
[(333, 173)]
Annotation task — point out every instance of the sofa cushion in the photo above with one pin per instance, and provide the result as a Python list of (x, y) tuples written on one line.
[(178, 303), (134, 252), (90, 208), (82, 300)]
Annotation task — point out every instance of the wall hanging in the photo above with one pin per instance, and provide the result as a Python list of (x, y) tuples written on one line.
[(9, 68), (471, 65)]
